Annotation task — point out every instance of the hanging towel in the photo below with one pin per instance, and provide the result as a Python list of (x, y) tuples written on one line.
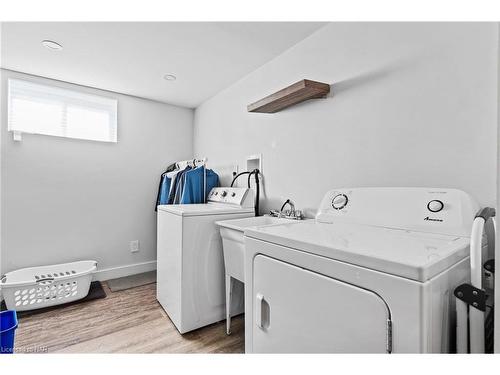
[(194, 190)]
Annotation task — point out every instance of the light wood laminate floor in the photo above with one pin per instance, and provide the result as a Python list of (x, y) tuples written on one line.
[(128, 321)]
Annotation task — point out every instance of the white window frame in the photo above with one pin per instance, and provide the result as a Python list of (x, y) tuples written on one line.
[(65, 98)]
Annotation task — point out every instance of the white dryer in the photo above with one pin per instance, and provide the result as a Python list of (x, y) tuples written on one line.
[(190, 263), (375, 272)]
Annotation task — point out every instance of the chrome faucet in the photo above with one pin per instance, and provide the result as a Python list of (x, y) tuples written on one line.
[(292, 213)]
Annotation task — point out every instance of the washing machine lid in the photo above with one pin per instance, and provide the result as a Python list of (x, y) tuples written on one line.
[(203, 209), (414, 255)]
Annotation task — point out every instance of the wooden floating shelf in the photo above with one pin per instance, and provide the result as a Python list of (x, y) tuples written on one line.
[(291, 95)]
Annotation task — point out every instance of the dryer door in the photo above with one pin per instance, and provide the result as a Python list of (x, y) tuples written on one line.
[(299, 311)]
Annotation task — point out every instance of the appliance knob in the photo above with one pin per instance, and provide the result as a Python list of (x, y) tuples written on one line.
[(223, 194), (233, 194), (435, 205), (339, 201)]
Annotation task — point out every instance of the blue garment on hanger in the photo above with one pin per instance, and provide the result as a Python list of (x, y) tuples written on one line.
[(194, 190), (164, 189), (161, 194)]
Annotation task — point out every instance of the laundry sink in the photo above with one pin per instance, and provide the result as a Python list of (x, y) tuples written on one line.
[(233, 240), (233, 245), (255, 221)]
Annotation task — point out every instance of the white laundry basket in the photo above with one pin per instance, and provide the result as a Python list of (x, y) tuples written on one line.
[(38, 287)]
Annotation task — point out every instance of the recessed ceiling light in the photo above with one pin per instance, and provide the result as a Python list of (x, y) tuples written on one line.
[(169, 77), (50, 44)]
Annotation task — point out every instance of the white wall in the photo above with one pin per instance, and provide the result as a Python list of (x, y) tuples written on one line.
[(412, 104), (64, 199)]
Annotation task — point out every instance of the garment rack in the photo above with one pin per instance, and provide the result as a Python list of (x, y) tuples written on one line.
[(198, 162)]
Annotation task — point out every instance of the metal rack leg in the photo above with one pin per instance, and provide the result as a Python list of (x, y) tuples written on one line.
[(229, 287), (462, 329), (476, 321)]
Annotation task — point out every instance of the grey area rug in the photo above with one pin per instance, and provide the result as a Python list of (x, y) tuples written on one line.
[(132, 281)]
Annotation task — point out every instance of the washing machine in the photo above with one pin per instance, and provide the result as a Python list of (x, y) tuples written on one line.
[(374, 273), (190, 262)]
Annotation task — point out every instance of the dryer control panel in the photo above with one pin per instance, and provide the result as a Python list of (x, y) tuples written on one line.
[(242, 197), (445, 211)]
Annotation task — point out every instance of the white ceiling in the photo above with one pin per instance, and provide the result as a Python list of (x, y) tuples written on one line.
[(132, 58)]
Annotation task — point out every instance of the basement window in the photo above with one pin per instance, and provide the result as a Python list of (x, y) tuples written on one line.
[(49, 110)]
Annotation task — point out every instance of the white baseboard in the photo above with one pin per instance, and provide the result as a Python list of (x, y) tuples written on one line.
[(121, 271)]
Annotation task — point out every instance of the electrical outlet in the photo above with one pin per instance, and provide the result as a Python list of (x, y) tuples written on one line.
[(134, 246)]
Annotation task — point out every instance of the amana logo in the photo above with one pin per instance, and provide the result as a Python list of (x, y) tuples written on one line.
[(431, 219)]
